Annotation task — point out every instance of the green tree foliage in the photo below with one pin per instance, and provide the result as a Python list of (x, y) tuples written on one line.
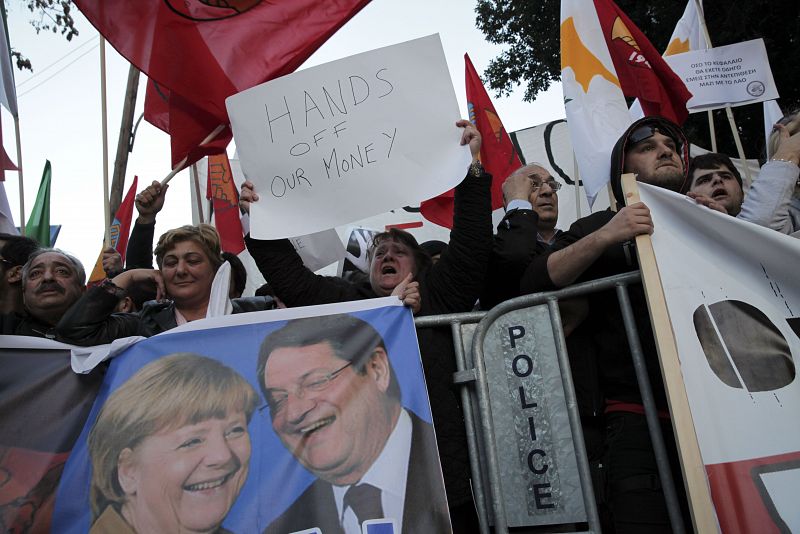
[(530, 32), (50, 16)]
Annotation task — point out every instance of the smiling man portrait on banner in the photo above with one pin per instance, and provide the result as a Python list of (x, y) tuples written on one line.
[(334, 401)]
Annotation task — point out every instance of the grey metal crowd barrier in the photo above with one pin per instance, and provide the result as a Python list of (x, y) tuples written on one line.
[(491, 475)]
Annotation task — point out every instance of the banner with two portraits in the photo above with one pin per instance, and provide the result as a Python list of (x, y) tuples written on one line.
[(300, 420)]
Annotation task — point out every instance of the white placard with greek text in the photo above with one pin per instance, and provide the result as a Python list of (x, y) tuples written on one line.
[(732, 75), (349, 139)]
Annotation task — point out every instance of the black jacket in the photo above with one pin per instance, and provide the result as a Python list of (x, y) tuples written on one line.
[(514, 247), (424, 508), (603, 329), (24, 324), (139, 254), (91, 320)]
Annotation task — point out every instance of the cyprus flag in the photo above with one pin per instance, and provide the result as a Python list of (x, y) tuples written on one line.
[(596, 111)]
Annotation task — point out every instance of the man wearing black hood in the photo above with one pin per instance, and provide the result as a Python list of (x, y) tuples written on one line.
[(601, 245)]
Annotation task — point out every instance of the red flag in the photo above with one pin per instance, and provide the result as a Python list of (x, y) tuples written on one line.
[(5, 162), (156, 106), (497, 151), (205, 51), (118, 232), (641, 70), (187, 125), (226, 203)]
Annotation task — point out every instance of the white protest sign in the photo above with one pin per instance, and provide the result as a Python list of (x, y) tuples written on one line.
[(320, 249), (732, 75), (733, 296), (349, 139)]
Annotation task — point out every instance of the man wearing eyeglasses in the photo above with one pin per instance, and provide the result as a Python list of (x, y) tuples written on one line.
[(334, 400), (530, 198)]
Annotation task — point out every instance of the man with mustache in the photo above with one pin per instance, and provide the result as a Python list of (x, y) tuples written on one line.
[(335, 403), (52, 281)]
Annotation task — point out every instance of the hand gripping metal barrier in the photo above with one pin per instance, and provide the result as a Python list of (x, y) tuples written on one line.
[(471, 376)]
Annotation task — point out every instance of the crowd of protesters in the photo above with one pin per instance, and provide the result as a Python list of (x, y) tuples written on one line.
[(43, 291)]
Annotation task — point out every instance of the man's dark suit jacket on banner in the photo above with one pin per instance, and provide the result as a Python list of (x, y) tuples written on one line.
[(424, 509)]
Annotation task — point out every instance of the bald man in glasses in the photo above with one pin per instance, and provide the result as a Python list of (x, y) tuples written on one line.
[(530, 198)]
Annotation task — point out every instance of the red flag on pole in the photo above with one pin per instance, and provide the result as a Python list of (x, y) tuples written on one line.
[(5, 162), (641, 70), (187, 125), (222, 190), (119, 232), (497, 151), (205, 51), (156, 105)]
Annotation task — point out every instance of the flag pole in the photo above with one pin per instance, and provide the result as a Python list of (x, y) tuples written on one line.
[(711, 128), (182, 163), (19, 174), (728, 111), (712, 131), (104, 123), (124, 142), (577, 175), (196, 181)]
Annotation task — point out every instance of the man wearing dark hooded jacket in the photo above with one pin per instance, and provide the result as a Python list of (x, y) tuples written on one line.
[(602, 245)]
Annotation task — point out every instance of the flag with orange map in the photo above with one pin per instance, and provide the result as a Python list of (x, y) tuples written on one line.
[(604, 58), (596, 110), (687, 35), (498, 156)]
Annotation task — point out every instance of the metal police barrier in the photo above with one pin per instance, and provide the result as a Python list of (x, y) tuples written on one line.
[(529, 464)]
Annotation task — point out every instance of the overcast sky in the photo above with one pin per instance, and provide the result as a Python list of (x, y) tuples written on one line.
[(59, 108)]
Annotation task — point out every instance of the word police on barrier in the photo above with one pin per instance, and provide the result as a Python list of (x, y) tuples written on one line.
[(733, 75), (349, 139), (539, 473)]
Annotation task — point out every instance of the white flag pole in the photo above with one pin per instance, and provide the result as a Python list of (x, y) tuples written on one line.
[(198, 198), (712, 131), (577, 178), (104, 124), (19, 174), (728, 111), (182, 163)]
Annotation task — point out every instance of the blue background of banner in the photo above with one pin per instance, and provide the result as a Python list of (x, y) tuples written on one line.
[(275, 478)]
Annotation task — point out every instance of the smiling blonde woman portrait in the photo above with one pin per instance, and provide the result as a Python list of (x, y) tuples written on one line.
[(170, 449)]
